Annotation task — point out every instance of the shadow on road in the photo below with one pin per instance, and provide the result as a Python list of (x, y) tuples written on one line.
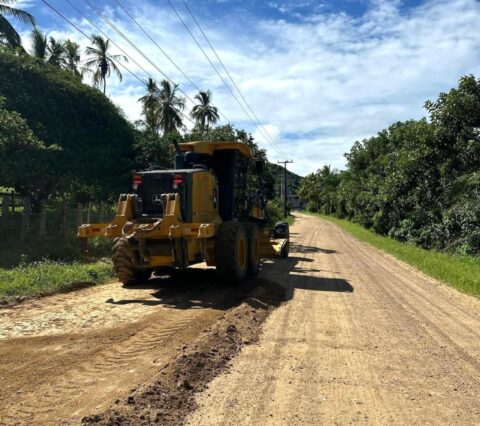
[(322, 284), (310, 249), (294, 277), (189, 289), (199, 288)]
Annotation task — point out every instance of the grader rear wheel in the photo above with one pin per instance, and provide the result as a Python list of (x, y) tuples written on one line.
[(253, 249), (123, 265), (231, 252)]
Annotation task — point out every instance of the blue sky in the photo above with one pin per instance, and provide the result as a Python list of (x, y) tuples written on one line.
[(318, 74)]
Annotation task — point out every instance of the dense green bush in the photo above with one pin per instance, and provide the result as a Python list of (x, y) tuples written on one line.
[(94, 140)]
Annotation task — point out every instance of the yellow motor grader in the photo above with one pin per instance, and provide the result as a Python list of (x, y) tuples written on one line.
[(201, 211)]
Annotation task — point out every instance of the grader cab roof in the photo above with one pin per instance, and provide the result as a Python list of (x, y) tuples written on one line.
[(209, 147)]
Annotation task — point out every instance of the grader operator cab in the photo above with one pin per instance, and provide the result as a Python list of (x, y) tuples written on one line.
[(201, 211)]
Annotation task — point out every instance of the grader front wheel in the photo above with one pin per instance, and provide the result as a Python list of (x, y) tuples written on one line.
[(123, 264)]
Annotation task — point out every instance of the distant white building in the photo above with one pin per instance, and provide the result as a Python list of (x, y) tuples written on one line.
[(296, 203)]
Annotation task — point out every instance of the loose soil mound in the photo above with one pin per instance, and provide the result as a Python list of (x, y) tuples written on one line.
[(170, 396)]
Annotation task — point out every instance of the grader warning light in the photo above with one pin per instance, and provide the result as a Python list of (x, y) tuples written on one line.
[(201, 211)]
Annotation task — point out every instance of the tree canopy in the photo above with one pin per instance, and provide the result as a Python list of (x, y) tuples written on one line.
[(417, 181), (8, 35)]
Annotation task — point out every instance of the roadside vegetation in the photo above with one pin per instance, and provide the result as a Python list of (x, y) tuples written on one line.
[(461, 272), (48, 277), (417, 181)]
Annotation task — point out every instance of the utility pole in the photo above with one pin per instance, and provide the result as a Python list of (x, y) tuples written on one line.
[(285, 190)]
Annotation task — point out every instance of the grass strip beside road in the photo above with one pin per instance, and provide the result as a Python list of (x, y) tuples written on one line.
[(290, 220), (461, 272), (48, 277)]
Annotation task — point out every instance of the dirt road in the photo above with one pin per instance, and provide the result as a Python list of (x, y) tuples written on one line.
[(363, 340)]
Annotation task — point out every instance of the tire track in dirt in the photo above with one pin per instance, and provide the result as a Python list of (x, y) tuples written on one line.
[(67, 356), (410, 320), (460, 334), (365, 339)]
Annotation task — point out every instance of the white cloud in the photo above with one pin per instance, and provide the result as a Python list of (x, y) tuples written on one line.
[(320, 83)]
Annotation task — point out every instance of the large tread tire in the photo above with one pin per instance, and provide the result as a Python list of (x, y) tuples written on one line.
[(123, 265), (285, 249), (231, 252), (254, 252)]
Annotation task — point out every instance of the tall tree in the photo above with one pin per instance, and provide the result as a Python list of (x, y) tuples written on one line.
[(56, 52), (8, 34), (72, 57), (151, 107), (101, 62), (171, 106), (39, 44), (204, 113)]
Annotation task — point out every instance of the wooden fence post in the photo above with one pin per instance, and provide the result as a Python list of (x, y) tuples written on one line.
[(62, 219), (27, 208), (79, 214), (5, 205), (43, 219), (89, 212), (102, 211)]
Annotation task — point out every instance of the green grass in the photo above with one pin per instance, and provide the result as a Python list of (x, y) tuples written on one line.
[(461, 272), (48, 277), (291, 220)]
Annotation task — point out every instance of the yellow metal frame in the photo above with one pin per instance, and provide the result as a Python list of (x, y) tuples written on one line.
[(270, 247), (205, 147), (197, 236), (169, 226)]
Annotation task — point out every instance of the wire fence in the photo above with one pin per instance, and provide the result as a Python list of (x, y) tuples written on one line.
[(48, 230)]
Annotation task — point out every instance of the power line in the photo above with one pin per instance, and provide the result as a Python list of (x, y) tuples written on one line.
[(156, 44), (198, 44), (216, 70), (164, 53), (119, 32), (90, 39), (227, 72), (118, 47)]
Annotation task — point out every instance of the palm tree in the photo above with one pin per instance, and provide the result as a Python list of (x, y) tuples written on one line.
[(8, 34), (39, 44), (56, 52), (72, 57), (151, 107), (204, 112), (101, 63), (171, 107)]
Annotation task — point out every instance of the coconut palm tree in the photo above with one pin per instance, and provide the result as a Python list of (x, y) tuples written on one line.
[(8, 34), (171, 107), (151, 107), (101, 63), (204, 113), (72, 57), (56, 52), (39, 44)]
